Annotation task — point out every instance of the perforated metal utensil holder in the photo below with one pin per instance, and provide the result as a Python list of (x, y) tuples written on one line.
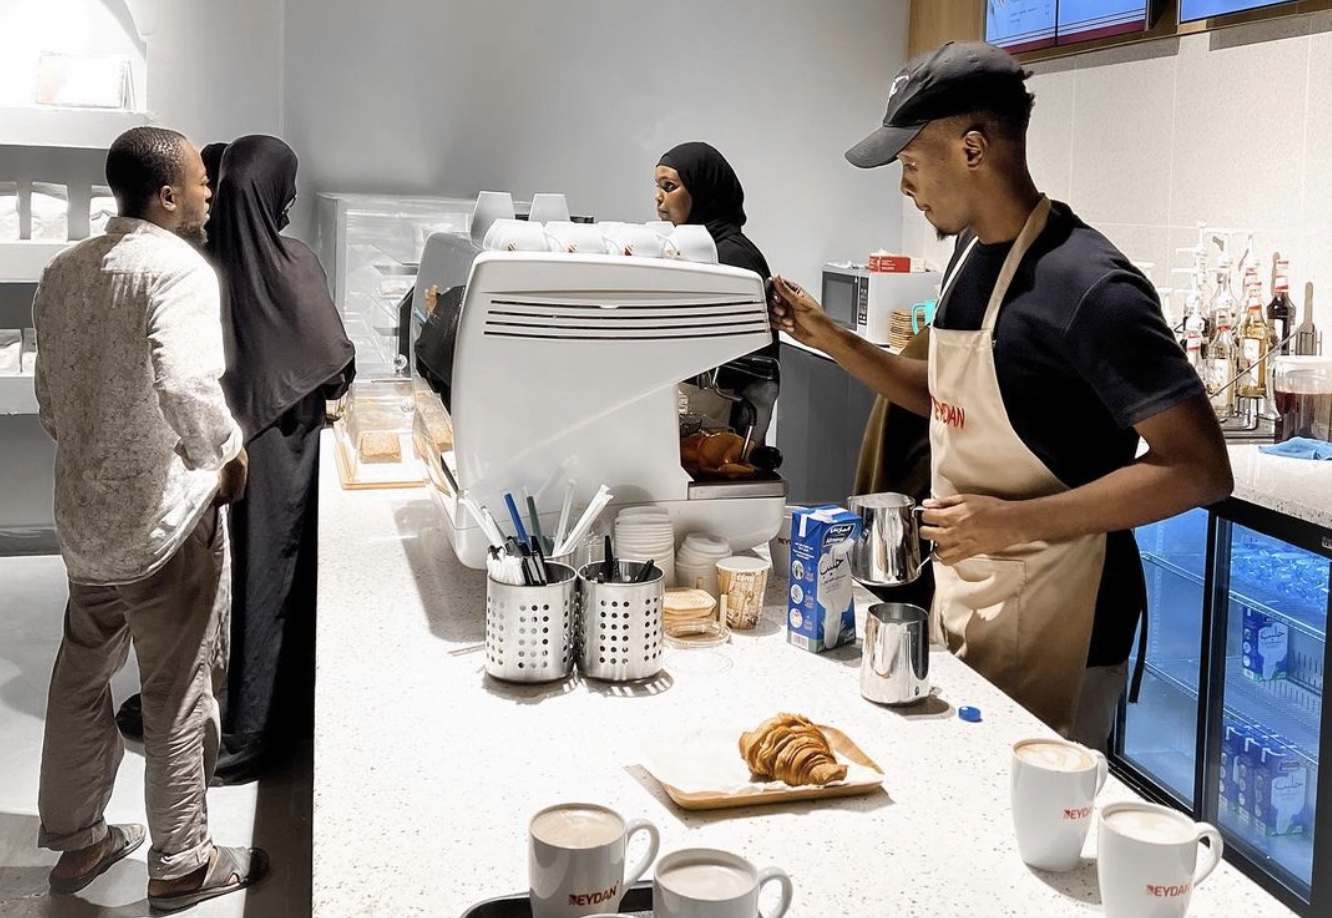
[(530, 629), (619, 624)]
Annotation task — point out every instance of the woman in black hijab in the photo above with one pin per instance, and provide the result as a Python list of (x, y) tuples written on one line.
[(287, 352), (212, 160), (695, 184)]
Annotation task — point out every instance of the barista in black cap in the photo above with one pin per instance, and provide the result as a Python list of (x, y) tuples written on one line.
[(1048, 360)]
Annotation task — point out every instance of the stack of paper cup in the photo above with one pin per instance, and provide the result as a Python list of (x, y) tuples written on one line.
[(696, 562), (646, 534)]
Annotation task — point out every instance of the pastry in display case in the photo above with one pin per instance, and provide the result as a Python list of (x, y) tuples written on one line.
[(375, 447)]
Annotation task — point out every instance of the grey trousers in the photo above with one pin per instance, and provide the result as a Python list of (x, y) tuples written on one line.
[(1102, 687), (178, 623)]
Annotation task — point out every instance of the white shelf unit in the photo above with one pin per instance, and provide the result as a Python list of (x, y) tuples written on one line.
[(91, 129), (22, 262), (17, 395)]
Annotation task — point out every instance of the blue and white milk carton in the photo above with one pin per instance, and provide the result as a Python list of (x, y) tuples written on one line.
[(1232, 747), (821, 608), (1266, 643), (1280, 791)]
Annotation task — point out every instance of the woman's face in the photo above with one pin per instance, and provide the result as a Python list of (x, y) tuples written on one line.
[(673, 201)]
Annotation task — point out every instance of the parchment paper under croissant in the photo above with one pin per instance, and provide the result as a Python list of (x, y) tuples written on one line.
[(790, 748)]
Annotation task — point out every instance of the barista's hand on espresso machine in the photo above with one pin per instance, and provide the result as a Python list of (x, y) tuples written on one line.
[(967, 525), (798, 314)]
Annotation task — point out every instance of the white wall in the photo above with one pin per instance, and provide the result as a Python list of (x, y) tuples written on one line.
[(582, 96), (215, 67), (1231, 128)]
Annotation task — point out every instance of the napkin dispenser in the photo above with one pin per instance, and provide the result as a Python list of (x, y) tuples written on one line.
[(565, 368)]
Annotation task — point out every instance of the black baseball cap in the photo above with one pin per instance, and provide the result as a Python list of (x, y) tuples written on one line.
[(955, 78)]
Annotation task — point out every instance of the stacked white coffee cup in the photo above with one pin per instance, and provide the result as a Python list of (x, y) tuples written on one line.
[(696, 561)]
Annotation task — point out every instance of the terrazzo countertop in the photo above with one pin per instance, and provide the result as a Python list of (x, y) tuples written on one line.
[(426, 771), (1301, 488)]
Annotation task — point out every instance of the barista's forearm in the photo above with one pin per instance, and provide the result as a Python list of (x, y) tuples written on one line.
[(901, 380), (1144, 492)]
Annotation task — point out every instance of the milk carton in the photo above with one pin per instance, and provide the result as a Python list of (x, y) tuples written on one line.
[(1232, 747), (1280, 791), (1266, 642), (1249, 760), (821, 609)]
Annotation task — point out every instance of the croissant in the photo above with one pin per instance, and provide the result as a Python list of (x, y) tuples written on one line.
[(791, 749)]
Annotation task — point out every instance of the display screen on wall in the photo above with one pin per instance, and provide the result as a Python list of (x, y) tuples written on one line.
[(1084, 20), (1020, 25), (1028, 25), (1193, 10)]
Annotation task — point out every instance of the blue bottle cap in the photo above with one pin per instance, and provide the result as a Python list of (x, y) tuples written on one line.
[(969, 714)]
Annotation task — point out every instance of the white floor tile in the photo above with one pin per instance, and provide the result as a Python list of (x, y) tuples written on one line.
[(273, 814)]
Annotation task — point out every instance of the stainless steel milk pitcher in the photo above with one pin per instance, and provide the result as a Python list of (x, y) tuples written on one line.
[(895, 663), (888, 551)]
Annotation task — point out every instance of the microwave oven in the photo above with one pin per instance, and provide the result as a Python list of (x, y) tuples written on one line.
[(845, 293), (864, 301)]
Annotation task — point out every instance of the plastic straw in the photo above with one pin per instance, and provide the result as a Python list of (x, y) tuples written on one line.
[(599, 502), (478, 513), (535, 518), (563, 527), (518, 529)]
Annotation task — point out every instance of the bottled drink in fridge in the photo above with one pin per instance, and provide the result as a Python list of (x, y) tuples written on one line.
[(1221, 366)]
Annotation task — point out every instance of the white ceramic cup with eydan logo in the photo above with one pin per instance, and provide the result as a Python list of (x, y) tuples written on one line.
[(1054, 784), (575, 859), (1148, 859), (710, 883)]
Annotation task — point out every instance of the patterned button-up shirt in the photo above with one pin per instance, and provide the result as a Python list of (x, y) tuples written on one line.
[(129, 362)]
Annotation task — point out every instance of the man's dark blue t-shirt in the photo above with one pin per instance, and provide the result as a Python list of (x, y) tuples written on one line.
[(1082, 353)]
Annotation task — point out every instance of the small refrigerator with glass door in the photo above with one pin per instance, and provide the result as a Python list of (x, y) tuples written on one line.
[(1228, 724)]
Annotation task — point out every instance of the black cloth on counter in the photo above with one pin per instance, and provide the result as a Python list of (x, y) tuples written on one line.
[(1082, 353), (274, 535), (283, 335)]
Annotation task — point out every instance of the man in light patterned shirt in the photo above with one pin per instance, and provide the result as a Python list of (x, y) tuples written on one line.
[(130, 338)]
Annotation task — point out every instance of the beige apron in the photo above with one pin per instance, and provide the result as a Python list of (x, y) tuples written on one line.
[(1022, 617)]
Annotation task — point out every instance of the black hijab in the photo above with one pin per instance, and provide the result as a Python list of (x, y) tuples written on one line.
[(212, 160), (284, 336), (718, 203)]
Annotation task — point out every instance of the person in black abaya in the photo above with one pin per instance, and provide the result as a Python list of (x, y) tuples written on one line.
[(287, 353), (696, 185), (212, 160)]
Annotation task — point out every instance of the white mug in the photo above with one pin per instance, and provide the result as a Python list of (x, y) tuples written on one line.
[(710, 883), (634, 239), (1054, 782), (694, 243), (516, 236), (1148, 860), (583, 238), (575, 859)]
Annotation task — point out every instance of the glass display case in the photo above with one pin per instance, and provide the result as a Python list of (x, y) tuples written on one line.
[(370, 246), (1228, 725)]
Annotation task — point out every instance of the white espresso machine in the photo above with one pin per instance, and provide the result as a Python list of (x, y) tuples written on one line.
[(565, 368)]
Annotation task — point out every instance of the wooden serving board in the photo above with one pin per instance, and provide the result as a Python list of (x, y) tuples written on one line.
[(720, 800)]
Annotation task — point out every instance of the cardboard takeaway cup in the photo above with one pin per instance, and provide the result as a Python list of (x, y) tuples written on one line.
[(743, 581)]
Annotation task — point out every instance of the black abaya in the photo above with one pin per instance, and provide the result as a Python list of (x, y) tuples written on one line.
[(287, 353)]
